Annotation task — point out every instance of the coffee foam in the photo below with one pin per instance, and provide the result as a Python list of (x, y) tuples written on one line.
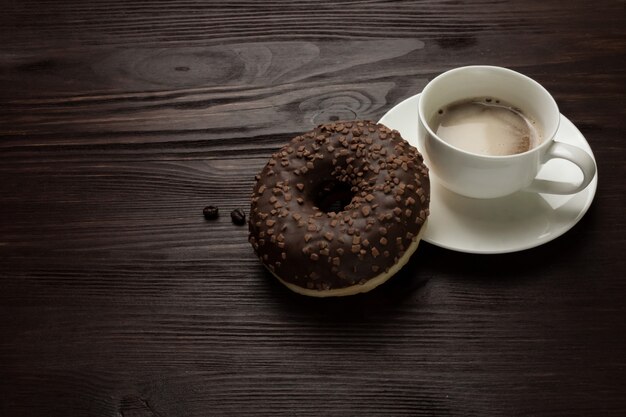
[(487, 127)]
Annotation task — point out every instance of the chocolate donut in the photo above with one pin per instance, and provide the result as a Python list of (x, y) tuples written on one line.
[(339, 210)]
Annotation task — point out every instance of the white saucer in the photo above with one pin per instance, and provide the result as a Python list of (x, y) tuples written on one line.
[(520, 221)]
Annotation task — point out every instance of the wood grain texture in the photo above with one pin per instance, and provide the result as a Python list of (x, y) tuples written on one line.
[(121, 120)]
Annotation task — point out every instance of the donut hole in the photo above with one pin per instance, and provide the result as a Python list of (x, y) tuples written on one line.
[(332, 196)]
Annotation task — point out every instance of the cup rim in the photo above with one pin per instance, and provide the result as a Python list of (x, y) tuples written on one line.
[(548, 138)]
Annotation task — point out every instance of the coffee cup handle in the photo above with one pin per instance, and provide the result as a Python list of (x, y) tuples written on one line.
[(578, 157)]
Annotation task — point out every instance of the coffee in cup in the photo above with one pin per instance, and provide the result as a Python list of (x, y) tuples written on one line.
[(486, 126)]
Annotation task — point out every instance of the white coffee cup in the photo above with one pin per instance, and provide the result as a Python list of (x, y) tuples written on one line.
[(486, 176)]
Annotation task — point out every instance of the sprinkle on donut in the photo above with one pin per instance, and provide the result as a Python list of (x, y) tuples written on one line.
[(338, 206)]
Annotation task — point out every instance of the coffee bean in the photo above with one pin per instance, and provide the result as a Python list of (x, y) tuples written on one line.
[(210, 212), (238, 217)]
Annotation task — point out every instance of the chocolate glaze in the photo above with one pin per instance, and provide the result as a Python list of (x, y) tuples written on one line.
[(313, 249)]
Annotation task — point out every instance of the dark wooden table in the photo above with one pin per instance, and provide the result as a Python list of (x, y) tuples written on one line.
[(120, 120)]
